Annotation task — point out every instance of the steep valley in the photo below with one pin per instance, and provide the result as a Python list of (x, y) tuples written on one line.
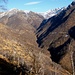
[(33, 45)]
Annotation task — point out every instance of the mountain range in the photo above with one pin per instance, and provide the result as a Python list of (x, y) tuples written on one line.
[(38, 43), (46, 14)]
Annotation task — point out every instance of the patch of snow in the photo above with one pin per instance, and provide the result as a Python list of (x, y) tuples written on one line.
[(12, 12), (26, 11), (51, 13), (46, 14)]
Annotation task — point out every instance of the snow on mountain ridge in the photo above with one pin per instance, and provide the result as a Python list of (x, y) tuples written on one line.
[(46, 14), (9, 13), (51, 13), (71, 5), (26, 11), (12, 12)]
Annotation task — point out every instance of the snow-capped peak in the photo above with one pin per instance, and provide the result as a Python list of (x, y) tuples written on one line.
[(46, 14), (12, 12), (51, 13), (26, 11)]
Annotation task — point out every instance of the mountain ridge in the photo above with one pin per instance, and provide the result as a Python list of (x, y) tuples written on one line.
[(33, 45), (46, 14), (57, 36)]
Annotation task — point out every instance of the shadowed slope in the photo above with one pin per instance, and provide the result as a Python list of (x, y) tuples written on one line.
[(57, 35)]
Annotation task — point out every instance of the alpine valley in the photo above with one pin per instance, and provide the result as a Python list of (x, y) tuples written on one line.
[(38, 43)]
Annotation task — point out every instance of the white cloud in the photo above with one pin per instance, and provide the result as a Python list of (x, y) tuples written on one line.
[(33, 3)]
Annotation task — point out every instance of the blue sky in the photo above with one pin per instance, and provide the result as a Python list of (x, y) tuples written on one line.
[(37, 5)]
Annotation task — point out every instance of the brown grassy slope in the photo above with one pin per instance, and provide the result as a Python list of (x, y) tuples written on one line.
[(17, 58)]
